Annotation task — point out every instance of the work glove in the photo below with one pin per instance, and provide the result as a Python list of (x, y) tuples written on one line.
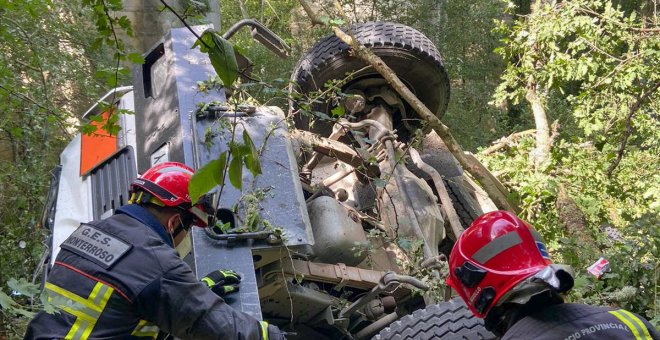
[(223, 281), (270, 332)]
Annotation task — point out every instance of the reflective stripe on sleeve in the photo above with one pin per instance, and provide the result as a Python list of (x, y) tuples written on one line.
[(264, 329), (146, 329), (86, 310), (635, 325)]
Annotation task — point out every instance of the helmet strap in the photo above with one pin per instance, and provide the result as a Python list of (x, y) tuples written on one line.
[(143, 197)]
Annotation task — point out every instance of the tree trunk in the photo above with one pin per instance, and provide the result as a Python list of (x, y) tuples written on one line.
[(575, 223), (542, 150)]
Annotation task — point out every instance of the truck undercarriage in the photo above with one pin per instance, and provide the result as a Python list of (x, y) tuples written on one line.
[(345, 231)]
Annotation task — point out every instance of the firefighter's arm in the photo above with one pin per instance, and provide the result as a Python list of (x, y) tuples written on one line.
[(187, 308)]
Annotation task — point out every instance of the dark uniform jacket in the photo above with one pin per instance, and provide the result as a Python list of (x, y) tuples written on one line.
[(570, 321), (120, 278)]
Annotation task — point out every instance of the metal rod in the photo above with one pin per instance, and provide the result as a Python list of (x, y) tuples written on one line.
[(447, 204), (369, 331), (398, 177), (257, 235)]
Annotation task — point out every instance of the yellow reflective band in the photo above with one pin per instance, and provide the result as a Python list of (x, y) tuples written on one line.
[(208, 281), (639, 322), (87, 311), (156, 201), (264, 329), (71, 296), (76, 330), (146, 329), (630, 325)]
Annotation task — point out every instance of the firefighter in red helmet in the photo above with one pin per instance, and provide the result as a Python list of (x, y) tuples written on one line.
[(502, 270), (121, 278)]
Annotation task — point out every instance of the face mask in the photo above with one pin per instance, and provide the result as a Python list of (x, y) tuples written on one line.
[(185, 246)]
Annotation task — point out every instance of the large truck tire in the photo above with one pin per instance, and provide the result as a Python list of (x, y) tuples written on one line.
[(410, 54), (446, 320), (467, 208)]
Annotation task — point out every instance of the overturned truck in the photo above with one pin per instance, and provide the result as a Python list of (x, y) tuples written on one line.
[(344, 231)]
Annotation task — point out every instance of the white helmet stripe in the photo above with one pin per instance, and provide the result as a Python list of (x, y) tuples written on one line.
[(496, 246), (200, 214), (174, 169)]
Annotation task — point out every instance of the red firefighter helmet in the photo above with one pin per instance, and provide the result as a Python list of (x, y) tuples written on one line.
[(168, 182), (497, 252)]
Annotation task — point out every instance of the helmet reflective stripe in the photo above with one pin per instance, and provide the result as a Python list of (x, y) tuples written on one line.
[(496, 246), (199, 213), (174, 169)]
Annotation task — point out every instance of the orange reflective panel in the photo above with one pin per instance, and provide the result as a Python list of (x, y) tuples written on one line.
[(96, 147)]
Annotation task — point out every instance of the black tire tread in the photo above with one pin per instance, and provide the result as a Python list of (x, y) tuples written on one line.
[(370, 34), (465, 207), (446, 320), (375, 35)]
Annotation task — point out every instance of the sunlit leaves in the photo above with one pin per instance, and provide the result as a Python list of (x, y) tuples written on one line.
[(241, 155), (207, 177), (222, 56), (598, 57)]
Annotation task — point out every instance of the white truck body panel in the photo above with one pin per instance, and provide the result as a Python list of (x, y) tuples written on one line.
[(74, 198)]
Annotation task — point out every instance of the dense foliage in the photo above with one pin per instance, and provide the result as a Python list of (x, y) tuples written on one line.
[(597, 196), (46, 79)]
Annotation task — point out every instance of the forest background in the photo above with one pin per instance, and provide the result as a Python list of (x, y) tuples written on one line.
[(560, 100)]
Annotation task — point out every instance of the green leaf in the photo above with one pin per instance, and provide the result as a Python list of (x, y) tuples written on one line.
[(6, 302), (88, 129), (379, 182), (24, 287), (222, 56), (136, 58), (96, 118), (236, 172), (207, 177), (251, 156), (338, 111)]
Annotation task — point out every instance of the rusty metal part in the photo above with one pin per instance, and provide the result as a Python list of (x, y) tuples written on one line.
[(341, 195), (337, 132), (375, 309), (353, 277), (335, 149), (380, 130), (387, 283), (354, 102), (384, 117), (447, 204)]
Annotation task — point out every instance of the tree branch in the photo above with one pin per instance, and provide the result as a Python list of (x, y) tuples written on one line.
[(502, 142), (310, 13), (183, 21), (633, 108), (243, 11)]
